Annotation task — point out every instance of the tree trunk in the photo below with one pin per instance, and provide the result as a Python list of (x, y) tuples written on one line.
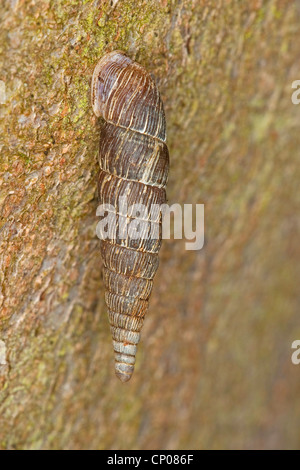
[(214, 365)]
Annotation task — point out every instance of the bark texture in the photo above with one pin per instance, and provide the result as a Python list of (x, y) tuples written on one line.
[(217, 339)]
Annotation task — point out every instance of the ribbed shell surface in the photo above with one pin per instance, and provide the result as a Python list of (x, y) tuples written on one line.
[(134, 162)]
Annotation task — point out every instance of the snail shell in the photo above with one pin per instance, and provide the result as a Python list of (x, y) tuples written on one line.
[(134, 162)]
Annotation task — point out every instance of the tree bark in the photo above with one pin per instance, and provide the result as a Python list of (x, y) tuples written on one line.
[(214, 366)]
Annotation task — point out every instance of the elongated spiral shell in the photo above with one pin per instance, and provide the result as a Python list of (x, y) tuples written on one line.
[(134, 162)]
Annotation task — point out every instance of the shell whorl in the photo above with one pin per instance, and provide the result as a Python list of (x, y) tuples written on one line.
[(134, 162)]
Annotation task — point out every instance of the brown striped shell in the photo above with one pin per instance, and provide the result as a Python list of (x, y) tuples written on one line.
[(134, 162)]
